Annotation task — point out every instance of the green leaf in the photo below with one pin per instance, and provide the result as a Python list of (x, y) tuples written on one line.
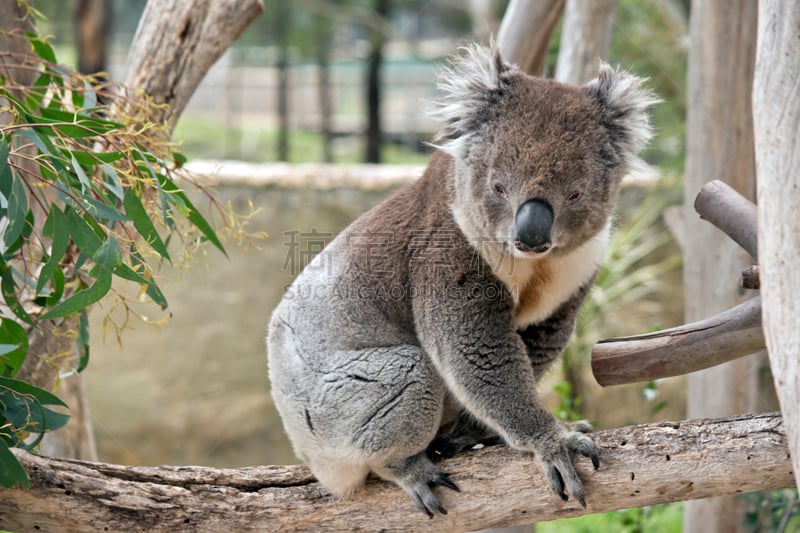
[(83, 234), (153, 291), (11, 471), (42, 142), (22, 387), (191, 212), (42, 48), (5, 149), (9, 290), (83, 341), (108, 256), (179, 159), (35, 95), (55, 227), (50, 298), (143, 224), (15, 341), (113, 185), (82, 177), (101, 210), (92, 158), (17, 210), (83, 298)]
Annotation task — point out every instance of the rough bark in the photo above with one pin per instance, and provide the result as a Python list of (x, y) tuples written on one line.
[(525, 32), (718, 145), (640, 465), (676, 351), (177, 42), (585, 38), (776, 109)]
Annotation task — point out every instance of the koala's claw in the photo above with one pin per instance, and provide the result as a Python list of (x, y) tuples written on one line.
[(424, 498), (445, 481), (557, 452)]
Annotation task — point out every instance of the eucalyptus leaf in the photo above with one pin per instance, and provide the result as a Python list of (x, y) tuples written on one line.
[(191, 213), (141, 221), (15, 343), (55, 227), (17, 210), (83, 298), (11, 471)]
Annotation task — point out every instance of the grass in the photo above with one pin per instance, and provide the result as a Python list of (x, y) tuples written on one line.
[(201, 137), (665, 518)]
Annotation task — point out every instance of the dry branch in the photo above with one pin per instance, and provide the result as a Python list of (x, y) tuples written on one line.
[(672, 352), (724, 337), (640, 465), (720, 204)]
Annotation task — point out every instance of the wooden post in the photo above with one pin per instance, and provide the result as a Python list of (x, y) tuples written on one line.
[(719, 145), (776, 112)]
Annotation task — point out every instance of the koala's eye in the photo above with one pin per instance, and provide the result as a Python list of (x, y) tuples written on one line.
[(574, 197), (500, 190)]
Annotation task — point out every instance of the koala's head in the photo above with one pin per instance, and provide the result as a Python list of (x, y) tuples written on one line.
[(537, 164)]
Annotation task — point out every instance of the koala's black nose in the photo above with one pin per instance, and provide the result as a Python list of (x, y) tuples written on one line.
[(532, 227)]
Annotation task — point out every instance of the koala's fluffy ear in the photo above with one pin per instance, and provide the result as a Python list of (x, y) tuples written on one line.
[(626, 101), (475, 79)]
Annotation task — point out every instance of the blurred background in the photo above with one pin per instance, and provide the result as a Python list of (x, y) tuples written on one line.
[(346, 83)]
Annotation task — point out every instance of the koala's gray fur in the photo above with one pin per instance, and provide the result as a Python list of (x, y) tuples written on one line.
[(423, 309)]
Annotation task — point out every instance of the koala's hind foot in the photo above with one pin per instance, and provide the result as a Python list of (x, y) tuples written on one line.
[(417, 475), (556, 449), (464, 435)]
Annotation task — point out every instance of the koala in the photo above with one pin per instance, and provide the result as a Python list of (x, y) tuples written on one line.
[(424, 326)]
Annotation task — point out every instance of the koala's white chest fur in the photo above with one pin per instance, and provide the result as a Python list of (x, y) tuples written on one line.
[(539, 286)]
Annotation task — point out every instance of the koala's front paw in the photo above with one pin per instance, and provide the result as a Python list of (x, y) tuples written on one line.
[(557, 448)]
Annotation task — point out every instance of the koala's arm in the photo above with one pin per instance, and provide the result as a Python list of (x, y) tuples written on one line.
[(546, 340), (471, 337)]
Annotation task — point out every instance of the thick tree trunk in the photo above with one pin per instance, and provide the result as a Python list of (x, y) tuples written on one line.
[(585, 38), (640, 465), (525, 32), (776, 110), (177, 42), (719, 145)]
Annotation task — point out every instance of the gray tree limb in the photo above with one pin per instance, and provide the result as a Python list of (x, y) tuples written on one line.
[(640, 465)]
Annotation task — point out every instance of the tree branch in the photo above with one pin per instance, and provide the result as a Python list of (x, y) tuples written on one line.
[(724, 337), (675, 351), (640, 465), (720, 204)]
